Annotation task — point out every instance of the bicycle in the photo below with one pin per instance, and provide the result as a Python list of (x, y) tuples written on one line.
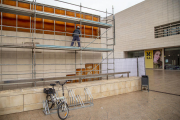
[(52, 99)]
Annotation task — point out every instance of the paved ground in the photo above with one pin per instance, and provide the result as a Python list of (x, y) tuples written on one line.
[(131, 106), (164, 80)]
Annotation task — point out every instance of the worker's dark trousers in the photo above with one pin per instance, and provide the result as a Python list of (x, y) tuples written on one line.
[(76, 38)]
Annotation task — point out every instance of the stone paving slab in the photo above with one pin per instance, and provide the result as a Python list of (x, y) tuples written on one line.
[(131, 106)]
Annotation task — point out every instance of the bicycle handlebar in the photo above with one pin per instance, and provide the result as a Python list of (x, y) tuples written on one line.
[(64, 82)]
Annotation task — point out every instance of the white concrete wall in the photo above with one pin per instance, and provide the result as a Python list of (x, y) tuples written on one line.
[(24, 56), (135, 26)]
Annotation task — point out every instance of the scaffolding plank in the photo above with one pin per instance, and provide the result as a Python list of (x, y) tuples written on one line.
[(38, 46), (54, 47), (46, 15)]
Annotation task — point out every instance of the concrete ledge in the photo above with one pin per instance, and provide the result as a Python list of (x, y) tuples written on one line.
[(16, 109), (12, 101)]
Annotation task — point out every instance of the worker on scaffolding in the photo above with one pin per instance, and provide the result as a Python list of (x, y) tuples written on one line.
[(75, 35)]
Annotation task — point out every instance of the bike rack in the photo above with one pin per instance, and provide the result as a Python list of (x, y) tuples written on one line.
[(53, 110), (46, 107), (75, 102)]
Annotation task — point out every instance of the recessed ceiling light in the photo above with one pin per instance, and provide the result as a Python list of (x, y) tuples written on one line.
[(169, 55)]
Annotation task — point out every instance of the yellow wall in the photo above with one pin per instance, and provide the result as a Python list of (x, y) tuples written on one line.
[(149, 59)]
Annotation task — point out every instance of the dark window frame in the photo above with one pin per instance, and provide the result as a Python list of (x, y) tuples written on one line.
[(167, 29)]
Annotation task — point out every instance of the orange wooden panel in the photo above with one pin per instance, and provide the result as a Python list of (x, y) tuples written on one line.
[(88, 32), (39, 8), (24, 5), (95, 28), (96, 68), (48, 26), (9, 2), (39, 25), (48, 21), (71, 75), (37, 19), (88, 27), (70, 24), (9, 22), (68, 13), (39, 31), (49, 32), (95, 19), (22, 17), (88, 17), (69, 29), (60, 23), (78, 15), (47, 9), (9, 29), (8, 15), (60, 27), (24, 23), (23, 30), (78, 72), (57, 11), (89, 67)]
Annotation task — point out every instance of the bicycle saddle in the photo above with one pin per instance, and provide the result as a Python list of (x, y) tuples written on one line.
[(52, 84)]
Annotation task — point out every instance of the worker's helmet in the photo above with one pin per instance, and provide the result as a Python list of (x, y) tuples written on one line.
[(78, 27)]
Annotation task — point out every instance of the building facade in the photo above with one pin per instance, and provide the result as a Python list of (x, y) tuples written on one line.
[(151, 29)]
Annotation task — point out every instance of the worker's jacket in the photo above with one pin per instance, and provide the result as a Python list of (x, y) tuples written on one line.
[(77, 32)]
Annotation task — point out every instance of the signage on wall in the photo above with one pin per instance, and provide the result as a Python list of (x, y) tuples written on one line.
[(149, 55), (153, 59), (157, 59), (149, 59)]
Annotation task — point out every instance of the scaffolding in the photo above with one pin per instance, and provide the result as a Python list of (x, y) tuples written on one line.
[(34, 46)]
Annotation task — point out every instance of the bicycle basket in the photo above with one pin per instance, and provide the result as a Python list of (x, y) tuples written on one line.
[(49, 90)]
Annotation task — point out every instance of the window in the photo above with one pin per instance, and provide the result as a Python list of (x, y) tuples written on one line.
[(167, 29), (135, 54), (172, 58)]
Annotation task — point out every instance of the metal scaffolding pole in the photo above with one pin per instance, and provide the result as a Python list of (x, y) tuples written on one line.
[(33, 41), (113, 37), (43, 43), (106, 45), (75, 45), (31, 32), (1, 42), (54, 41), (80, 40), (16, 34)]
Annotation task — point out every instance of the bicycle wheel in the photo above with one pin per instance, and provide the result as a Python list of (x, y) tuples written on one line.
[(63, 110), (50, 103)]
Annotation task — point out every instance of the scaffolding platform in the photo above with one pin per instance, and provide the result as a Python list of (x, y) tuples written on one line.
[(52, 16), (54, 47)]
